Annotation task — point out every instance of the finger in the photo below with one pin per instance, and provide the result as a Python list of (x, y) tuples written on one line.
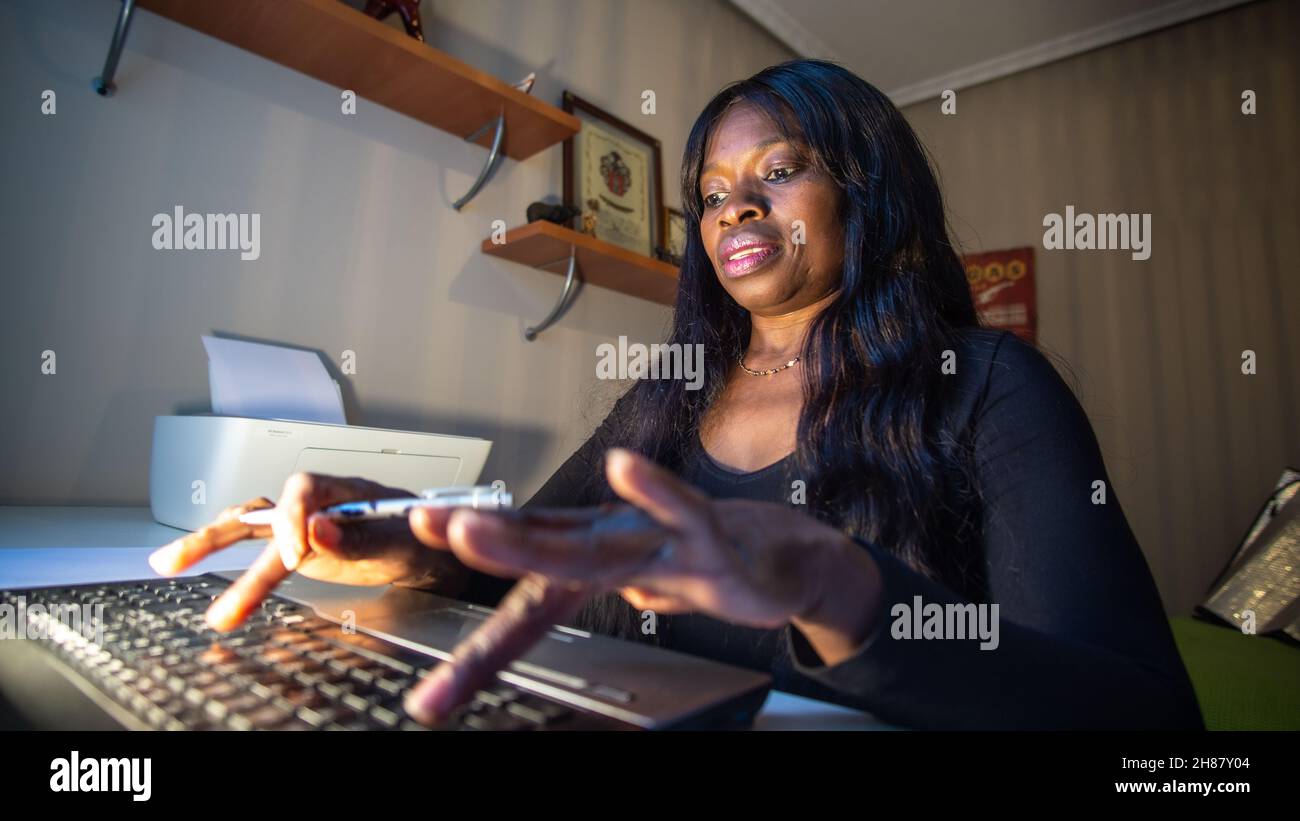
[(465, 534), (524, 616), (364, 539), (559, 518), (611, 548), (303, 495), (642, 599), (671, 502), (429, 524), (248, 591), (175, 556)]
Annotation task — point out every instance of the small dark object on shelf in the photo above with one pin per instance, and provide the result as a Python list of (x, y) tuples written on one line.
[(558, 214), (409, 10)]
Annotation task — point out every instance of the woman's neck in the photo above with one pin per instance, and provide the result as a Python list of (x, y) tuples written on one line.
[(781, 336)]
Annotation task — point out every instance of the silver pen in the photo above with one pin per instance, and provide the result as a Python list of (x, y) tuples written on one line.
[(479, 497)]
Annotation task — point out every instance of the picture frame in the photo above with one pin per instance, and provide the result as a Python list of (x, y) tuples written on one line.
[(613, 173)]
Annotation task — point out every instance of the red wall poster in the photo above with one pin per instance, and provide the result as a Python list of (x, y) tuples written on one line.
[(1002, 283)]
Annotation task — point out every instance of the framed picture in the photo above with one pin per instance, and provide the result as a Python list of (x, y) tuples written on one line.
[(612, 172), (1002, 283)]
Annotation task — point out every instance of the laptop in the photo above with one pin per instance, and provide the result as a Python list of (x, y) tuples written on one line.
[(318, 656)]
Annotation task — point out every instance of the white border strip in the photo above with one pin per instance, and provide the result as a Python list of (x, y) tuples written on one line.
[(783, 26)]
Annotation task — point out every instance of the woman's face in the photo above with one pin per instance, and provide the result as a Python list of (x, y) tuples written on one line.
[(770, 221)]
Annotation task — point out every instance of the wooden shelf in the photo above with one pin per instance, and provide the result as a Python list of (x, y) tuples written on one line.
[(341, 46), (600, 263)]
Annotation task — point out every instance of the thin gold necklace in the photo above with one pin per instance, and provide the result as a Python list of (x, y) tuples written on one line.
[(741, 359)]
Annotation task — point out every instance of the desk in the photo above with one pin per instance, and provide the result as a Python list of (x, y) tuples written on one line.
[(75, 545)]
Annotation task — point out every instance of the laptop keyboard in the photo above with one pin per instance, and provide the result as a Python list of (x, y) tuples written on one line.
[(148, 648)]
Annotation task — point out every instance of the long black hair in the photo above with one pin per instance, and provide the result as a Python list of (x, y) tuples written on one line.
[(870, 449)]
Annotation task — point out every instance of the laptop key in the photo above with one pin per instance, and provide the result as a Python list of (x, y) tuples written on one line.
[(314, 623), (316, 717), (296, 697), (385, 716), (394, 686), (266, 717), (336, 690), (474, 722), (241, 703), (363, 675), (295, 724), (412, 726), (270, 688), (529, 714), (356, 702)]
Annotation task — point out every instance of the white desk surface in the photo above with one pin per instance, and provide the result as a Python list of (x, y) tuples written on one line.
[(42, 545)]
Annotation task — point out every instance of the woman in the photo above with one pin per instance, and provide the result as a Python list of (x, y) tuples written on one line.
[(859, 448)]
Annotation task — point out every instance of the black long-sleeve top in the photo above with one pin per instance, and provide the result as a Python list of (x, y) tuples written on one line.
[(1083, 641)]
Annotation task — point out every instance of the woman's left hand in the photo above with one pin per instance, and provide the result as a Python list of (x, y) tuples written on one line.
[(670, 550)]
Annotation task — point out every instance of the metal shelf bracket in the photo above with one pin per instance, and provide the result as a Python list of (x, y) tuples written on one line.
[(566, 294), (103, 84), (493, 155)]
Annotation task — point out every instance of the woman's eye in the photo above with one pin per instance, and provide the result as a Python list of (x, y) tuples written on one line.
[(780, 174)]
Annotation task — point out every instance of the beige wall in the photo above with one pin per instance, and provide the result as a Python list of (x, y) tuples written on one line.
[(1154, 125), (360, 248)]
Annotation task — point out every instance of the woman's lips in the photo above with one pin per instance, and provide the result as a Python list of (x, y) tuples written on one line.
[(754, 257)]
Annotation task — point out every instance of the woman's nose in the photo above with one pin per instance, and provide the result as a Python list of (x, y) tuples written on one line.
[(743, 204)]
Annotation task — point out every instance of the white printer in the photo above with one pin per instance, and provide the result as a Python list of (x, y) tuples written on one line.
[(202, 464)]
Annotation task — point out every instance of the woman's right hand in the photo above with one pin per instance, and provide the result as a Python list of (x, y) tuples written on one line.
[(302, 539)]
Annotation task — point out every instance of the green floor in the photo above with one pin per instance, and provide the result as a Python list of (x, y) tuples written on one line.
[(1242, 682)]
